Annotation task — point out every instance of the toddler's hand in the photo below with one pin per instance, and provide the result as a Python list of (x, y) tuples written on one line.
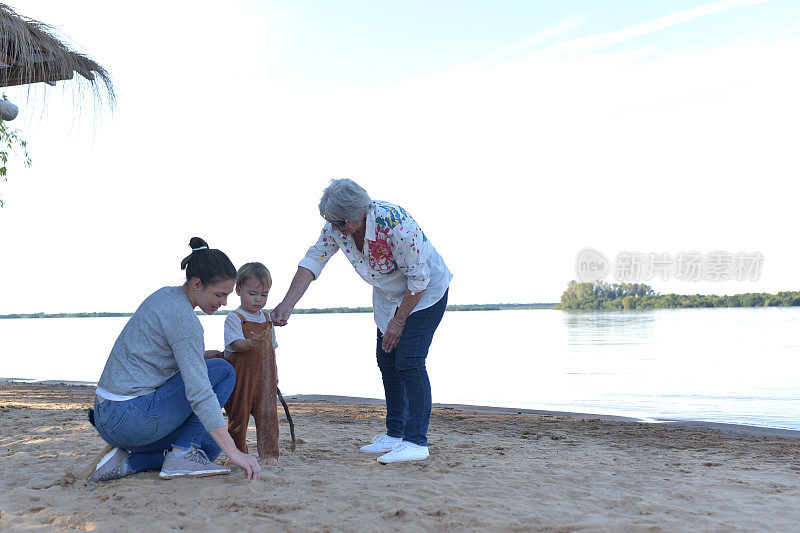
[(259, 338)]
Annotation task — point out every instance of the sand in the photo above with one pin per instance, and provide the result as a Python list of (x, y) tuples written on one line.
[(488, 471)]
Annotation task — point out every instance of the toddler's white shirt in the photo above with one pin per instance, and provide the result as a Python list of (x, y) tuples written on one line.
[(233, 328)]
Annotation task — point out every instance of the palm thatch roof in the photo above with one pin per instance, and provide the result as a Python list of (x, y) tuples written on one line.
[(29, 53)]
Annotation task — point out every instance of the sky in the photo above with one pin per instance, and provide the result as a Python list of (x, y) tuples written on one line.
[(517, 133)]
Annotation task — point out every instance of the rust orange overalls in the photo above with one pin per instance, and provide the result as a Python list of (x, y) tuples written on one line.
[(255, 392)]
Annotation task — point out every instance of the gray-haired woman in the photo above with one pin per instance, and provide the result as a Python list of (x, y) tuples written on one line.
[(410, 282)]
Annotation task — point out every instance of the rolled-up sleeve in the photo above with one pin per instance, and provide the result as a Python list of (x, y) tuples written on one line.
[(320, 253), (407, 240)]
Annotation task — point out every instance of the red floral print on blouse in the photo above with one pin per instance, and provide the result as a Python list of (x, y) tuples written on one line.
[(380, 254)]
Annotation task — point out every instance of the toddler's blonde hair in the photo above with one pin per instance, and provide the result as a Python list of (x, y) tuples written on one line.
[(255, 271)]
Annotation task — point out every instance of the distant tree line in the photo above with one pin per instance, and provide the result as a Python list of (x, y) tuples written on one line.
[(316, 311), (611, 296), (64, 315), (500, 307), (310, 311)]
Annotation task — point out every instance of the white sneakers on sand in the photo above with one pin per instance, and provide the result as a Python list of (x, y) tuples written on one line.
[(399, 449), (112, 465), (190, 463), (405, 451), (381, 444)]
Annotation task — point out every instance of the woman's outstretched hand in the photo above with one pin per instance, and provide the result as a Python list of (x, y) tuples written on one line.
[(248, 463), (280, 315)]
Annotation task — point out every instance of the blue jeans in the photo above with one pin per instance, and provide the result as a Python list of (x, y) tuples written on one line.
[(149, 425), (405, 379)]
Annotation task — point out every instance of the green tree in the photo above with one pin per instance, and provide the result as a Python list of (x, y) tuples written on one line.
[(11, 142), (628, 302), (602, 295)]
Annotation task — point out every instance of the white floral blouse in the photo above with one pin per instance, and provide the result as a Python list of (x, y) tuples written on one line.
[(397, 256)]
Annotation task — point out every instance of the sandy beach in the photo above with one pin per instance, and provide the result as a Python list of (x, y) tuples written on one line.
[(489, 470)]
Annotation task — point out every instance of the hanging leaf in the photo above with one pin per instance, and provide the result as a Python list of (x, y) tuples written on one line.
[(11, 140)]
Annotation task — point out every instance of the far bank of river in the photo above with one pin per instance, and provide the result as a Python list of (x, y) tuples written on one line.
[(310, 311)]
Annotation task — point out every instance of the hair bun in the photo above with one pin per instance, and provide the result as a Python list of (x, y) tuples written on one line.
[(207, 265), (194, 244), (197, 242)]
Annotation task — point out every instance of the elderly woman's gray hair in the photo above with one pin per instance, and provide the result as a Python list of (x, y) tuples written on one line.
[(344, 199)]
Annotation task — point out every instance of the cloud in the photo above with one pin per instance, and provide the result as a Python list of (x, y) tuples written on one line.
[(633, 32), (535, 40), (537, 155)]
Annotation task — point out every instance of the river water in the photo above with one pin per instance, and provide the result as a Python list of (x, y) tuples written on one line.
[(737, 365)]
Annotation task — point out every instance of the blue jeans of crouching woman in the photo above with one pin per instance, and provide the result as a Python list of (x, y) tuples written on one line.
[(405, 378), (148, 425)]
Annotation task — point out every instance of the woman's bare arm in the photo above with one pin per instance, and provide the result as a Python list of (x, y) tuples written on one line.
[(302, 279)]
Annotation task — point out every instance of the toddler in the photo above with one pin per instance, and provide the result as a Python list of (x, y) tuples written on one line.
[(250, 347)]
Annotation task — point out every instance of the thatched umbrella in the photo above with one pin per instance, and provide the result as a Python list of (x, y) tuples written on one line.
[(29, 53)]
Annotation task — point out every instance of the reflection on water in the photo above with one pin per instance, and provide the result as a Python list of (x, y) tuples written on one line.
[(725, 365), (610, 327), (721, 365)]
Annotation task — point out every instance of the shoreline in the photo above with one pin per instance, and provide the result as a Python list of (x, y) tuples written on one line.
[(731, 428), (739, 429)]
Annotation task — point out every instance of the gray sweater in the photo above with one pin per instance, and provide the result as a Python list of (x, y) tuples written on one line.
[(162, 337)]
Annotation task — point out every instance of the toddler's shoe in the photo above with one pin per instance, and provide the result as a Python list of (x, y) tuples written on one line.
[(381, 444), (190, 463), (405, 451)]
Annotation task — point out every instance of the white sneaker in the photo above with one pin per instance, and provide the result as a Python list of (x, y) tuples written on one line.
[(190, 463), (405, 451), (113, 465), (381, 444)]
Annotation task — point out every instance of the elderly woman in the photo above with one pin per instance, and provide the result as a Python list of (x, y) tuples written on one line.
[(410, 282)]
